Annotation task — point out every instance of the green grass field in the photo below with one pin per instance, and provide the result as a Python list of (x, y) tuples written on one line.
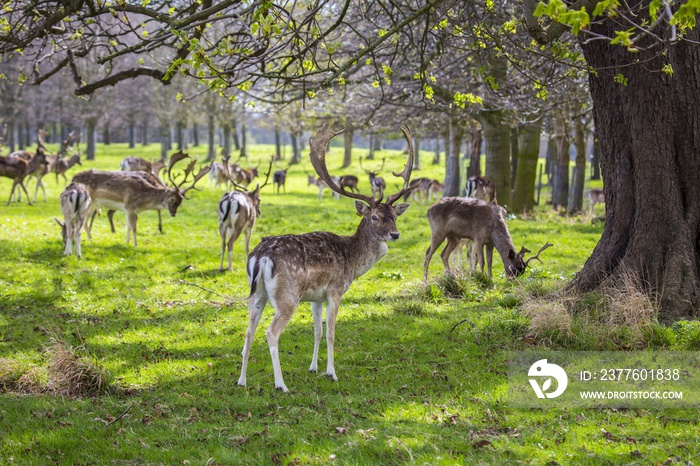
[(167, 328)]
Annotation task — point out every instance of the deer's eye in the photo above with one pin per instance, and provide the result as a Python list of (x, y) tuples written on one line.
[(375, 218)]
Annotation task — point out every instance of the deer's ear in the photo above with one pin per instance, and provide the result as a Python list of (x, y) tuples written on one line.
[(362, 208), (401, 208)]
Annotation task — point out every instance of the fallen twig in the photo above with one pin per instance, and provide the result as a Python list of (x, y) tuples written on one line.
[(121, 415), (476, 330)]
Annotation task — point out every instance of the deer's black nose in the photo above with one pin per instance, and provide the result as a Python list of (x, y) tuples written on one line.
[(395, 235)]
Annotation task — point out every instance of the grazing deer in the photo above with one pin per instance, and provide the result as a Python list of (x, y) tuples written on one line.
[(219, 174), (421, 189), (350, 182), (455, 218), (320, 266), (279, 179), (238, 211), (595, 196), (376, 182), (60, 165), (38, 172), (137, 164), (436, 188), (477, 187), (75, 202), (244, 176), (17, 168), (134, 192)]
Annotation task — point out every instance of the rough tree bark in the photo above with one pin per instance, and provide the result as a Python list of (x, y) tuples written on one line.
[(475, 153), (347, 154), (528, 153), (579, 176), (497, 149), (649, 134), (452, 184), (560, 191)]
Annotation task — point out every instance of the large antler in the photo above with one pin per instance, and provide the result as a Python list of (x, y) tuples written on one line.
[(40, 138), (537, 256), (176, 157), (200, 174), (225, 161), (68, 143), (407, 169), (267, 175), (318, 145)]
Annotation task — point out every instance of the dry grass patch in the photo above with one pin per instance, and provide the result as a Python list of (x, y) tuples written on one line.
[(620, 315), (72, 376)]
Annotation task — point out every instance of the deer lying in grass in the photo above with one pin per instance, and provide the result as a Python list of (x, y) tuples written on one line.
[(320, 266), (238, 211), (454, 218), (75, 202), (595, 196)]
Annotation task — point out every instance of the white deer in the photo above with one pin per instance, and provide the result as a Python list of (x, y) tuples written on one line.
[(319, 266)]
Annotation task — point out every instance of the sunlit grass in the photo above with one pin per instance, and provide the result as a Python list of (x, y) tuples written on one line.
[(416, 386)]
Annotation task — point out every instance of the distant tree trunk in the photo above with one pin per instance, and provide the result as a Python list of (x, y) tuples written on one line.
[(211, 134), (244, 141), (233, 128), (579, 176), (550, 161), (497, 148), (106, 137), (528, 153), (370, 156), (560, 190), (514, 151), (165, 143), (28, 134), (91, 128), (296, 152), (226, 146), (11, 135), (452, 183), (436, 157), (144, 133), (195, 134), (278, 143), (347, 141), (475, 151), (595, 163), (180, 135), (131, 134)]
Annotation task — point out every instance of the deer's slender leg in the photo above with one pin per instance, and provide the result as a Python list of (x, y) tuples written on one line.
[(452, 243), (160, 222), (489, 257), (478, 253), (317, 311), (231, 240), (332, 306), (223, 233), (435, 242), (110, 216), (283, 314), (76, 233), (131, 219), (256, 304), (69, 237)]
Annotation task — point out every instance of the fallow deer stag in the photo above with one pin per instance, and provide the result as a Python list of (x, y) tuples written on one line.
[(60, 165), (455, 218), (75, 202), (18, 168), (279, 179), (320, 266), (134, 192), (238, 211), (138, 164)]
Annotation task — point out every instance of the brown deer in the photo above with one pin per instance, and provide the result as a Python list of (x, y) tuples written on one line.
[(595, 196), (436, 188), (137, 164), (279, 179), (134, 192), (75, 202), (321, 185), (244, 176), (60, 165), (376, 182), (421, 191), (454, 218), (320, 266), (18, 168), (238, 211)]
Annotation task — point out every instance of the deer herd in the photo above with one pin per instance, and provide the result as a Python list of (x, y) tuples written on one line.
[(285, 270)]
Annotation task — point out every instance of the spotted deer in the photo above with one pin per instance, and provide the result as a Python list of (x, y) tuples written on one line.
[(477, 187), (18, 169), (237, 213), (377, 183), (454, 218), (75, 203), (318, 267)]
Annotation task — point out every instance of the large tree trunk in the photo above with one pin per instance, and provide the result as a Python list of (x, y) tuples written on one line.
[(528, 154), (497, 148), (211, 141), (649, 134), (560, 190), (91, 125), (595, 162), (296, 151), (475, 154), (278, 143), (452, 184)]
